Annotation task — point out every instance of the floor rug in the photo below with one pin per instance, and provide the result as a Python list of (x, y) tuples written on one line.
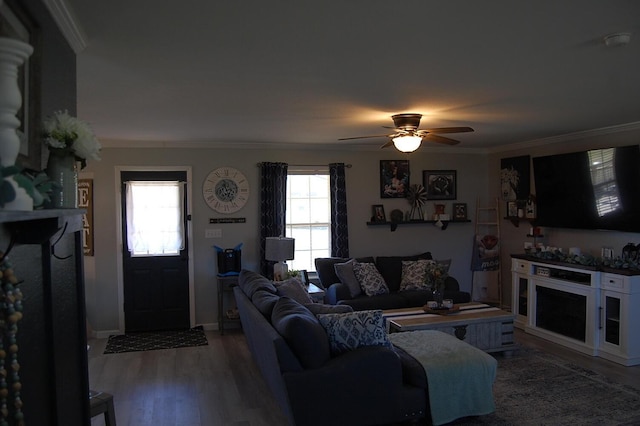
[(149, 341), (534, 388)]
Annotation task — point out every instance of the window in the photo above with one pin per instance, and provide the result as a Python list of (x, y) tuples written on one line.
[(154, 218), (308, 215)]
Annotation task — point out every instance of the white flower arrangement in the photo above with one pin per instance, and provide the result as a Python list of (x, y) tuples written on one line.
[(67, 134)]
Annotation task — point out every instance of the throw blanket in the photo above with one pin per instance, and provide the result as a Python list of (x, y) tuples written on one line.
[(460, 376)]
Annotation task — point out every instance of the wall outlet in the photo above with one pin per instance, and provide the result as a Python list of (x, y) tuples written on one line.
[(213, 233)]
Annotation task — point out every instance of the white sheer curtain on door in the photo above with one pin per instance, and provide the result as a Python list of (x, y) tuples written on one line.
[(155, 218)]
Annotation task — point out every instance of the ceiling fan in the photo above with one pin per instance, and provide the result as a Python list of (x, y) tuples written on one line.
[(407, 136)]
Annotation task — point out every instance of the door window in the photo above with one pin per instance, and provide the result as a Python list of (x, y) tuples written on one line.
[(155, 222)]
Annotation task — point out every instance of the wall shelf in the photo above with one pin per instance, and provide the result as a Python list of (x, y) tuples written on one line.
[(394, 225), (515, 220)]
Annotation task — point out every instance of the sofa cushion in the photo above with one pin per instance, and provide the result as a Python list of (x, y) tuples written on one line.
[(302, 332), (382, 301), (391, 268), (345, 274), (370, 279), (326, 272), (264, 301), (294, 289), (413, 272), (250, 282), (320, 308), (353, 330), (415, 298)]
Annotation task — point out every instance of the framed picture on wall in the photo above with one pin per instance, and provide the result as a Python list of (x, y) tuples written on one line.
[(394, 178), (440, 184)]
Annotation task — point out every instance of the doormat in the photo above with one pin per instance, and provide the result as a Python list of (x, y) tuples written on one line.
[(150, 341)]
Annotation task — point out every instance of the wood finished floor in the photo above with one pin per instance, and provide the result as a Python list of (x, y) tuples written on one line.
[(219, 384)]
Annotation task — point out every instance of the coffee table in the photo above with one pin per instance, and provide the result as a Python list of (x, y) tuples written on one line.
[(483, 326)]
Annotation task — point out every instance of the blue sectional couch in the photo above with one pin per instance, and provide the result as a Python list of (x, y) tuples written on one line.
[(365, 386)]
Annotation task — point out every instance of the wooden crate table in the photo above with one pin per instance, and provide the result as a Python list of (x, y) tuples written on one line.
[(483, 326)]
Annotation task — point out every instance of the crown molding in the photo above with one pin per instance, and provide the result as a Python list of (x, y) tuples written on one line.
[(67, 23), (603, 131)]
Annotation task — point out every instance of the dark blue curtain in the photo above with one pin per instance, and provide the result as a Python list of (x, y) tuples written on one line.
[(339, 226), (273, 206)]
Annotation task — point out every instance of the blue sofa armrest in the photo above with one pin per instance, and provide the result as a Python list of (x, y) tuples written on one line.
[(337, 292), (363, 386)]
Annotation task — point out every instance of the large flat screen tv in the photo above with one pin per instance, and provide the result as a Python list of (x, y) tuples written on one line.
[(596, 189)]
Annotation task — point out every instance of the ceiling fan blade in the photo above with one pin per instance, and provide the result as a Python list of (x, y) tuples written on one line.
[(364, 137), (441, 139), (388, 144), (448, 130)]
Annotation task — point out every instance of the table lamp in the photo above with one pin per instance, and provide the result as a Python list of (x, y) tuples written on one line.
[(279, 249)]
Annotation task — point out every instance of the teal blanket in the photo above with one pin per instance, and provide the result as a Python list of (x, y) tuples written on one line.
[(460, 376)]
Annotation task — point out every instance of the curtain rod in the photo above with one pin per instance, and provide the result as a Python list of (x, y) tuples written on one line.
[(348, 166)]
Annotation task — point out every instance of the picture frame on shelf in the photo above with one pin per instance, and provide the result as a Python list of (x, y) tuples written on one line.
[(378, 215), (460, 211), (394, 178), (440, 184), (512, 208)]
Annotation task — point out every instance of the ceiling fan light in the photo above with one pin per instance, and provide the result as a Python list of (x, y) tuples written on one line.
[(407, 143)]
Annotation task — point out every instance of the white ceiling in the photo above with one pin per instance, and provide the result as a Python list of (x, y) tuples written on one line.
[(279, 72)]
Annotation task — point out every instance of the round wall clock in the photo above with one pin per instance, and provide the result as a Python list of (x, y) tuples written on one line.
[(225, 190)]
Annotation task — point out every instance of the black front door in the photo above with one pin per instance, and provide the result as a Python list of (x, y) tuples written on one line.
[(156, 285)]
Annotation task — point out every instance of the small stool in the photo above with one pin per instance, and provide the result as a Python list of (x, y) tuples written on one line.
[(102, 402)]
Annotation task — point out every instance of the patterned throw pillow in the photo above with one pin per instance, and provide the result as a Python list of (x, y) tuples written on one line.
[(370, 279), (413, 275), (353, 330)]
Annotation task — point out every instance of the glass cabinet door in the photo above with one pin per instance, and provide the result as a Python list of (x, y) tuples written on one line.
[(523, 293), (612, 319)]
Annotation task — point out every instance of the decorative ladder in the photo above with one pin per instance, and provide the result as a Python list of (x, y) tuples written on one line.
[(486, 284)]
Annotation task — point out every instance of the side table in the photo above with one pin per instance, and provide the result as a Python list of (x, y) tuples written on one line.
[(226, 284), (316, 293)]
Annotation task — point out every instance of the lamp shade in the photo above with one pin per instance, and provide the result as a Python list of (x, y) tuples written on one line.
[(407, 143), (279, 248)]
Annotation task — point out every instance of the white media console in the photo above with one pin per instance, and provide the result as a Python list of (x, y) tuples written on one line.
[(592, 311)]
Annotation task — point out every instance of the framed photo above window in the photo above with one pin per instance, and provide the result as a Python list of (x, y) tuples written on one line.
[(440, 184), (378, 213), (394, 178), (459, 211)]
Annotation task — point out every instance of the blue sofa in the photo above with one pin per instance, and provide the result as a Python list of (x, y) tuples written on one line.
[(365, 386), (390, 267)]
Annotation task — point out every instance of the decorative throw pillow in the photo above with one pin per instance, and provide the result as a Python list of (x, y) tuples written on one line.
[(350, 331), (294, 289), (345, 273), (369, 278), (413, 275)]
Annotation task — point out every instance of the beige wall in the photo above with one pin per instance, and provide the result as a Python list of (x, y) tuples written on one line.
[(362, 189)]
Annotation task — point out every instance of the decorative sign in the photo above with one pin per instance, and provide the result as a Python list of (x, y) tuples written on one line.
[(85, 201), (228, 220)]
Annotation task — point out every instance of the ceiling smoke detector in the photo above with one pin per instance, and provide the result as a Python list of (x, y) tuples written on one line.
[(617, 39)]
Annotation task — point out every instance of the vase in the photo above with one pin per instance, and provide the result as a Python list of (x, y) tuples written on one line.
[(63, 171)]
